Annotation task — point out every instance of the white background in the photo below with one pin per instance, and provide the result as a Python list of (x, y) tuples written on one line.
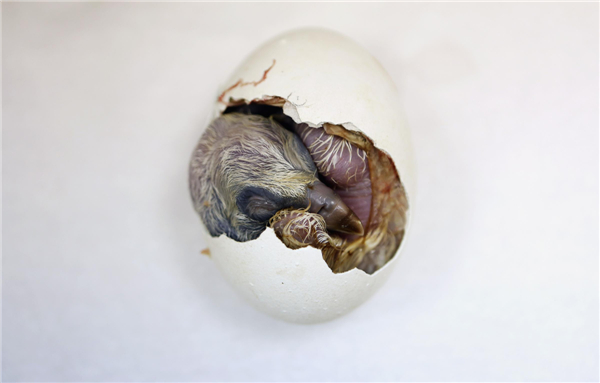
[(102, 275)]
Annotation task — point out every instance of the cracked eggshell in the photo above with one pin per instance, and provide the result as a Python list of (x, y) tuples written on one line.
[(325, 77)]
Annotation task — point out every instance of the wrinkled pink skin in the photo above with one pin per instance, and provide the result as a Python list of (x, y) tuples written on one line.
[(342, 166)]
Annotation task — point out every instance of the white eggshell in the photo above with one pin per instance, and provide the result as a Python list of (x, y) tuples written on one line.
[(325, 77)]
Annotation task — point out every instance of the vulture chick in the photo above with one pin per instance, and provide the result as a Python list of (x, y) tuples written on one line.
[(248, 172)]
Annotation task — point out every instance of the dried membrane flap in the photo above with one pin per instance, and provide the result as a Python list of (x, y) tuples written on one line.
[(387, 220)]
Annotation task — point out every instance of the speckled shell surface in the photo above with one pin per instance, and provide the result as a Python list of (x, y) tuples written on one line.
[(325, 77)]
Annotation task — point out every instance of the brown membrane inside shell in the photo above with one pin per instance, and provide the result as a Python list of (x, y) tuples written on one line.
[(387, 220), (386, 223)]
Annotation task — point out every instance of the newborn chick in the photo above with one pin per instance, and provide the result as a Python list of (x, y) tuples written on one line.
[(246, 168)]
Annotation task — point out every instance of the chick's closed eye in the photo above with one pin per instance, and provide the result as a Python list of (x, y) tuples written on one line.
[(261, 204)]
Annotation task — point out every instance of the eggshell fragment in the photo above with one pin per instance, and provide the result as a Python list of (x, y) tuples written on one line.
[(323, 77)]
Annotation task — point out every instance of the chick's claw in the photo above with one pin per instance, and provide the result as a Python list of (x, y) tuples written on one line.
[(300, 228)]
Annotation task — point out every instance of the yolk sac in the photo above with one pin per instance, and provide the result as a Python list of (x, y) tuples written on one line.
[(342, 166), (354, 205)]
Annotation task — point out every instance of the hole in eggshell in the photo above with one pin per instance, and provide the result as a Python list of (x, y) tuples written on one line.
[(385, 219)]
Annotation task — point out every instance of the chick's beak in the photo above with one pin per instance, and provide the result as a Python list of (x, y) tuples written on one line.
[(338, 216)]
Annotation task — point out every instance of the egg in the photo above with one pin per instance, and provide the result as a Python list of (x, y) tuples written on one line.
[(319, 78)]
